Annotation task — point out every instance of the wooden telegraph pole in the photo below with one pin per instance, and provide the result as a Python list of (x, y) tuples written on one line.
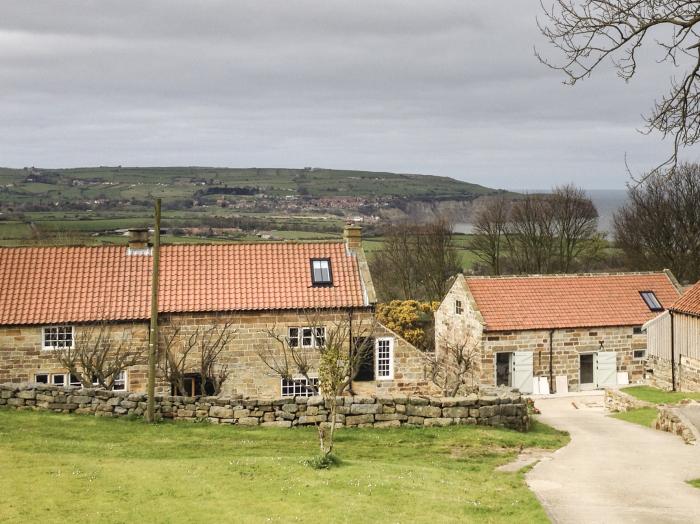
[(153, 332)]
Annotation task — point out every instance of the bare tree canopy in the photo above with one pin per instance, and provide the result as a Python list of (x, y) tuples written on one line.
[(659, 227), (100, 354), (336, 350), (454, 365), (415, 262), (198, 352), (552, 233), (588, 32)]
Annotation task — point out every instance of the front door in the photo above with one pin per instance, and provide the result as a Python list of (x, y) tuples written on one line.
[(522, 371), (606, 369), (586, 371)]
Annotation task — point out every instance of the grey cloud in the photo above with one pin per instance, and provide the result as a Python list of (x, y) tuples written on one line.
[(449, 88)]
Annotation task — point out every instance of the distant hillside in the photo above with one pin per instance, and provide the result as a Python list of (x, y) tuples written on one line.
[(175, 183), (94, 205)]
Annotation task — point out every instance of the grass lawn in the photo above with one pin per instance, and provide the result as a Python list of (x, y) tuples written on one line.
[(695, 483), (659, 396), (642, 416), (60, 467)]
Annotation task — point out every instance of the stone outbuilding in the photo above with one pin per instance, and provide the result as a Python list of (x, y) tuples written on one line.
[(547, 333), (52, 295), (674, 344)]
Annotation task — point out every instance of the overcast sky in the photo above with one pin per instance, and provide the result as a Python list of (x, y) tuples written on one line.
[(442, 87)]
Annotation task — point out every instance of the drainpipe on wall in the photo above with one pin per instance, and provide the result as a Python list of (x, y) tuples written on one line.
[(551, 357), (673, 354)]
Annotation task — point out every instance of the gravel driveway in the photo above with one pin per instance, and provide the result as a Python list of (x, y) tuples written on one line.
[(614, 471)]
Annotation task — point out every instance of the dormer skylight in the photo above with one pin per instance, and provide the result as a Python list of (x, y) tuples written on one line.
[(651, 301), (321, 274)]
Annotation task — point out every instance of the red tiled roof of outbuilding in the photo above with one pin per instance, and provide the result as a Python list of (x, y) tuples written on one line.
[(80, 284), (689, 303), (568, 301)]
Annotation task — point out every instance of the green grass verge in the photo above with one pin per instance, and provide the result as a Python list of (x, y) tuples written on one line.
[(659, 396), (60, 467), (642, 416), (695, 483)]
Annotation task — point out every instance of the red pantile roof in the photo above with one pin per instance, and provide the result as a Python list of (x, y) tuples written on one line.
[(568, 301), (76, 284), (689, 303)]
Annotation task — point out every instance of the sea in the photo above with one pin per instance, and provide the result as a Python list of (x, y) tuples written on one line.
[(606, 201)]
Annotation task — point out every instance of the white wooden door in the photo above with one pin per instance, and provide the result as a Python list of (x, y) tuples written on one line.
[(522, 371), (606, 369)]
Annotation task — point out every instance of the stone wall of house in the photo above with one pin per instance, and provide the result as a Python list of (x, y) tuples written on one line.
[(567, 345), (22, 356), (498, 408), (658, 373)]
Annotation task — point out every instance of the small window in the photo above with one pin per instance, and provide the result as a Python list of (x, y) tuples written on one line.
[(321, 274), (385, 358), (637, 330), (41, 378), (74, 381), (640, 354), (58, 337), (58, 380), (299, 387), (307, 337), (458, 307), (293, 339), (651, 301), (119, 383), (319, 337)]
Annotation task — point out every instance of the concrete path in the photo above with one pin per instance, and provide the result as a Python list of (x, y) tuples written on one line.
[(614, 471)]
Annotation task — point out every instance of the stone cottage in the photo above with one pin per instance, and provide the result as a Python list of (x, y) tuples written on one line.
[(674, 344), (50, 295), (554, 332)]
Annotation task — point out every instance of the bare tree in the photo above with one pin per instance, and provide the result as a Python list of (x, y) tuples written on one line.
[(490, 222), (588, 32), (415, 261), (99, 354), (542, 233), (576, 225), (452, 367), (531, 237), (659, 227), (338, 350), (198, 352)]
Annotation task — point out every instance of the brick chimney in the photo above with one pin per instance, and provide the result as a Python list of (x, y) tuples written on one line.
[(138, 242), (353, 241), (353, 237)]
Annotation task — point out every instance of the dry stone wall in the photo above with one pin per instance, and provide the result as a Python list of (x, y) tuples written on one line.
[(498, 408)]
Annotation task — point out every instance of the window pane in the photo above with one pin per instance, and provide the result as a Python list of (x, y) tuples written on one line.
[(41, 378), (58, 380), (384, 358), (321, 271)]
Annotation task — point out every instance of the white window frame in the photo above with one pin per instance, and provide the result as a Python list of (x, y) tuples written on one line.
[(316, 335), (125, 379), (77, 383), (47, 375), (299, 382), (45, 331), (389, 358), (121, 381), (65, 379)]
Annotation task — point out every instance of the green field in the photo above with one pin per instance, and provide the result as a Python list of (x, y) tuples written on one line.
[(659, 396), (60, 467)]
